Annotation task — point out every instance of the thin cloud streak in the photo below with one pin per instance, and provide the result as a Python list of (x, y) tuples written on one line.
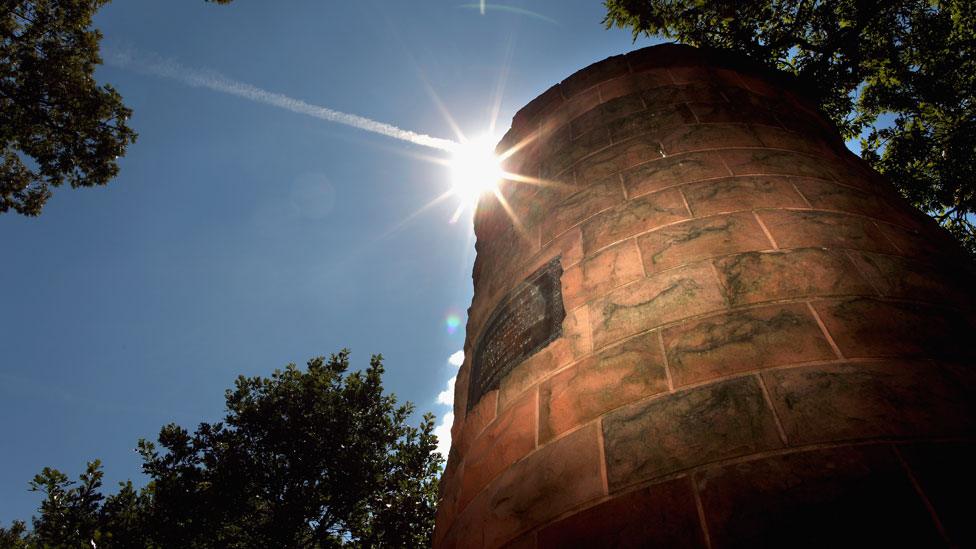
[(200, 78)]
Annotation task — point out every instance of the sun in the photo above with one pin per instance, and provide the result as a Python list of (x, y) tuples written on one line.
[(475, 170)]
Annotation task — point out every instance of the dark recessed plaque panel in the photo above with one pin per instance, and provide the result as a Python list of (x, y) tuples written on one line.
[(529, 318)]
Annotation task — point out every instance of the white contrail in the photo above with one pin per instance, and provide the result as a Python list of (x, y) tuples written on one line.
[(215, 81)]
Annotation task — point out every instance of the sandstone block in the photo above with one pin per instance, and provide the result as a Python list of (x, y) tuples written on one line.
[(702, 137), (619, 157), (866, 327), (616, 376), (683, 93), (763, 161), (650, 439), (853, 496), (510, 437), (744, 340), (741, 193), (654, 301), (633, 217), (580, 206), (538, 488), (802, 229), (612, 267), (608, 112), (657, 122), (869, 400), (698, 239), (671, 171), (753, 277), (589, 77), (663, 515)]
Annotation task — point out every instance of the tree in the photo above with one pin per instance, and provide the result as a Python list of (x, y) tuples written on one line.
[(913, 60), (315, 458), (57, 125)]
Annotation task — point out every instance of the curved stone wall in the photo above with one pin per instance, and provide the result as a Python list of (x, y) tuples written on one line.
[(760, 342)]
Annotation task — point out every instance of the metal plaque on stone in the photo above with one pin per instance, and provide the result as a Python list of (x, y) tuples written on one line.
[(527, 319)]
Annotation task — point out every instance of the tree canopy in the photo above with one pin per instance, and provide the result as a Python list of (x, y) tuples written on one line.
[(57, 125), (315, 458), (899, 74)]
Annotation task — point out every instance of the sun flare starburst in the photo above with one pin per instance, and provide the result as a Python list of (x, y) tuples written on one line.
[(475, 170)]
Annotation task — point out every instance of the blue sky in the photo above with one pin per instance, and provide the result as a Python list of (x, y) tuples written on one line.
[(239, 236)]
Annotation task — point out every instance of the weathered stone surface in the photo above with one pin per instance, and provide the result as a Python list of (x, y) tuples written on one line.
[(775, 162), (510, 437), (650, 439), (802, 121), (741, 96), (527, 207), (671, 171), (565, 151), (802, 142), (588, 77), (514, 248), (649, 79), (521, 155), (826, 195), (926, 242), (699, 239), (869, 400), (619, 157), (475, 421), (633, 217), (683, 93), (906, 278), (536, 367), (865, 327), (657, 122), (703, 137), (838, 497), (536, 489), (653, 301), (619, 87), (607, 113), (736, 112), (802, 229), (580, 206), (693, 73), (574, 107), (753, 277), (608, 269), (741, 193), (614, 377), (529, 115), (744, 340), (662, 515)]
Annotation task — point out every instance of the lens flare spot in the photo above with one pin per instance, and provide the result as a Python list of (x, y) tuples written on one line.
[(452, 322)]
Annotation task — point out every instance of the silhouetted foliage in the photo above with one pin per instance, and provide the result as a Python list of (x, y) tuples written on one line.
[(913, 59), (315, 458), (57, 125)]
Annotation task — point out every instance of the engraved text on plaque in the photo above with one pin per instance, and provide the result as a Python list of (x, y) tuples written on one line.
[(527, 319)]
